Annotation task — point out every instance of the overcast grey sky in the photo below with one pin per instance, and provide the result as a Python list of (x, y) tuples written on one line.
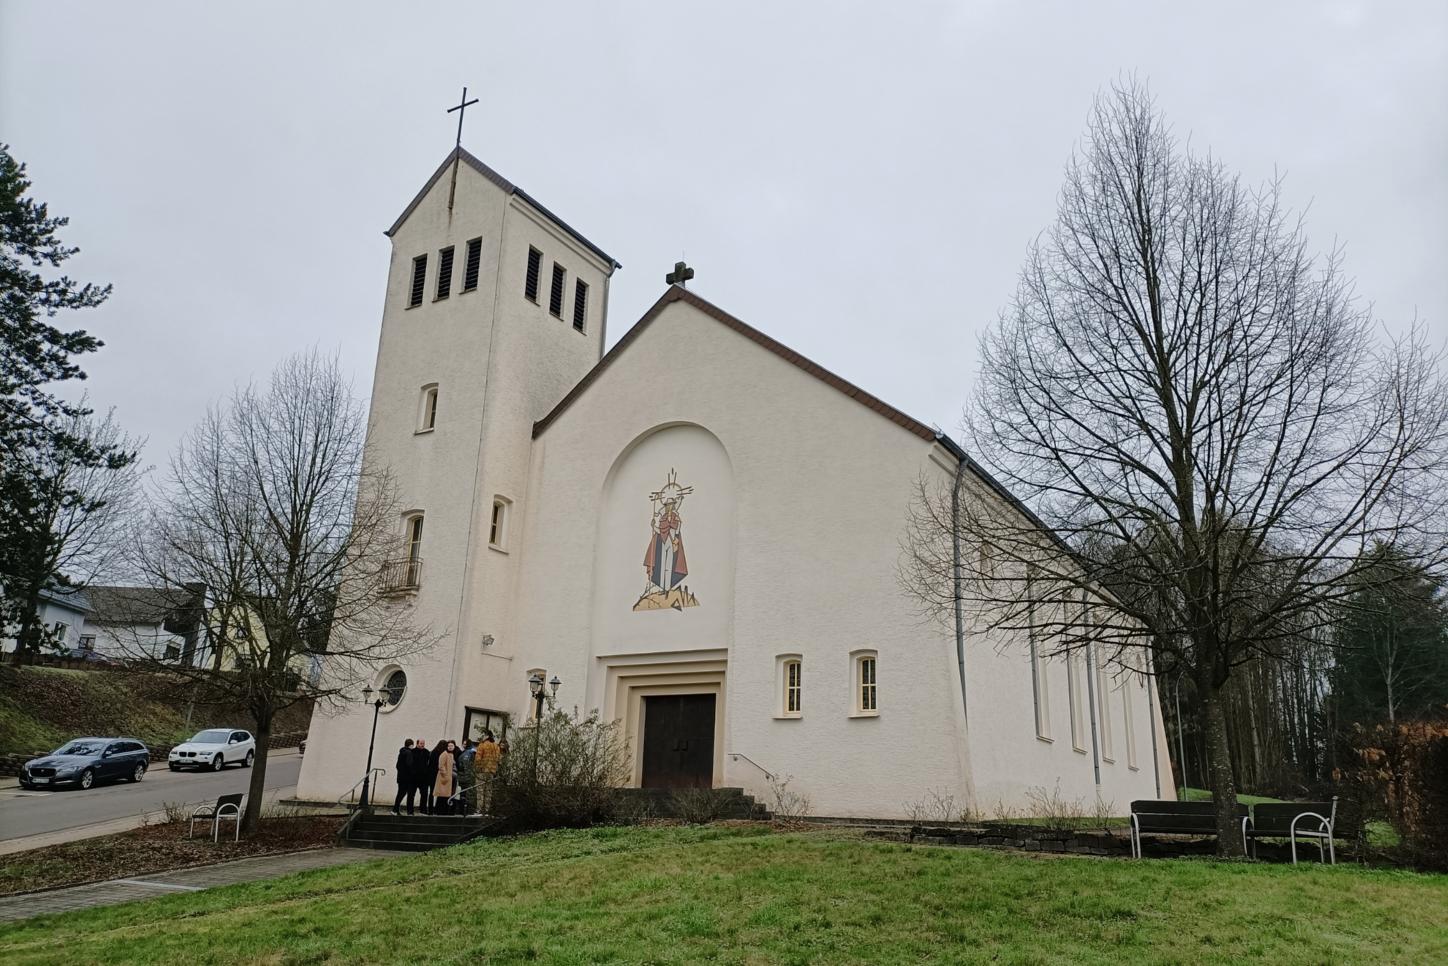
[(858, 180)]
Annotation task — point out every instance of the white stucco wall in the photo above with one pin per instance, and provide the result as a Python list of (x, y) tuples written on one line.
[(500, 362), (816, 487)]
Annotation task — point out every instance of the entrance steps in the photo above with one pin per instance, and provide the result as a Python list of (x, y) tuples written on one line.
[(380, 829), (727, 803)]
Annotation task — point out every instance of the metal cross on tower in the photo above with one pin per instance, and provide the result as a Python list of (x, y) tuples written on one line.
[(462, 108), (680, 275)]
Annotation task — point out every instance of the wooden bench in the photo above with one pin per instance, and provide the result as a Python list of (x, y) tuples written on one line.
[(1178, 818), (1293, 821)]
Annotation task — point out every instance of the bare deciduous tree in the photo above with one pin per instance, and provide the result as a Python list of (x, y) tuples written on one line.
[(269, 506), (71, 528), (1201, 417)]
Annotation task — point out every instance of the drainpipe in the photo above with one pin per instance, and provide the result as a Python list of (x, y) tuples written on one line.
[(1091, 706), (1151, 719)]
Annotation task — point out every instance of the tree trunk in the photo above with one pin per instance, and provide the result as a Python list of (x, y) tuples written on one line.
[(251, 818), (1219, 770)]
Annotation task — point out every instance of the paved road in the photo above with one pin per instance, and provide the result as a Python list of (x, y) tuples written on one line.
[(24, 813)]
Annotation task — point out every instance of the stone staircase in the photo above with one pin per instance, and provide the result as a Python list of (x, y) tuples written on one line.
[(727, 803), (380, 829)]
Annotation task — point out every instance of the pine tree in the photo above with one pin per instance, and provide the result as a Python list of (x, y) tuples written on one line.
[(37, 428)]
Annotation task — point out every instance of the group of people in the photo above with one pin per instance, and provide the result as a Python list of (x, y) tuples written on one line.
[(447, 780)]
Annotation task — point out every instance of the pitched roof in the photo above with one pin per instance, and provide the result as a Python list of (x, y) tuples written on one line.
[(507, 187), (136, 605), (677, 293)]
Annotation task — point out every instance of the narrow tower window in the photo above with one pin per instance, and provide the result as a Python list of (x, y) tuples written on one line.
[(428, 422), (498, 530), (580, 303), (792, 692), (530, 281), (444, 273), (419, 279), (470, 271), (863, 678), (555, 295)]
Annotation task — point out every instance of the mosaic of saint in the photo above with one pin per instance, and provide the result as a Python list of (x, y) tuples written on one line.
[(665, 565)]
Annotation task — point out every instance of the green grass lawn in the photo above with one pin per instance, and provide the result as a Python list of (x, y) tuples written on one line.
[(749, 895)]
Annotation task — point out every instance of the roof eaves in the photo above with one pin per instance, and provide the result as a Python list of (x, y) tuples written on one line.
[(678, 293), (506, 186)]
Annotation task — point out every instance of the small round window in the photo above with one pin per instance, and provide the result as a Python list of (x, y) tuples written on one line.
[(394, 686)]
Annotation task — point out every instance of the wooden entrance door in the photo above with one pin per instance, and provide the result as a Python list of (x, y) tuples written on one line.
[(678, 740)]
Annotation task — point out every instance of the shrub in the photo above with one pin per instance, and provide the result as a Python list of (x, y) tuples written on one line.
[(1405, 766), (563, 772), (787, 805), (699, 805)]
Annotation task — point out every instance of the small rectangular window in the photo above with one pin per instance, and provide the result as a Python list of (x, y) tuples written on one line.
[(580, 304), (530, 281), (555, 295), (498, 528), (868, 694), (429, 409), (444, 273), (419, 281), (792, 693), (470, 270)]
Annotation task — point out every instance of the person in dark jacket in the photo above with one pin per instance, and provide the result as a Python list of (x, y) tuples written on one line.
[(431, 776), (421, 761), (406, 784)]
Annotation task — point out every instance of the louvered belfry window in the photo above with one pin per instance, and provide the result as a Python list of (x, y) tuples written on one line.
[(555, 294), (419, 279), (530, 281), (444, 272), (580, 304), (470, 271)]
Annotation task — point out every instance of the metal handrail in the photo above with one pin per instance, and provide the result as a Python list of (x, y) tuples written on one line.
[(736, 755), (348, 797)]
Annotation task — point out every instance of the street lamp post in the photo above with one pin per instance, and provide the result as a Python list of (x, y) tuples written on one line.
[(535, 685), (367, 693)]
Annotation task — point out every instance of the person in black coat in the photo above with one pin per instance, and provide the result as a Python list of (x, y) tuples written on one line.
[(432, 758), (406, 780), (423, 774)]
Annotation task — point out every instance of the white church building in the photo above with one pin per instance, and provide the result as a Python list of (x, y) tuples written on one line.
[(697, 533)]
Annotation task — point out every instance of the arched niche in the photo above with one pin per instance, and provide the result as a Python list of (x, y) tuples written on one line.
[(638, 609)]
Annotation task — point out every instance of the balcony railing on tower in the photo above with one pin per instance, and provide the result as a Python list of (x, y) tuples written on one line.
[(402, 576)]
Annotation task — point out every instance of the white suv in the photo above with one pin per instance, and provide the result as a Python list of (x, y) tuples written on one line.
[(214, 748)]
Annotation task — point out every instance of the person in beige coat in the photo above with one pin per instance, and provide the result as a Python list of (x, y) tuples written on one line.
[(442, 786)]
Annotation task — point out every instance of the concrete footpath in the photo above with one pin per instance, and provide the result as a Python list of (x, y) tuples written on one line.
[(116, 891)]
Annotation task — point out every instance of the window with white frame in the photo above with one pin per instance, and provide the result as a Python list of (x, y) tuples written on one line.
[(1103, 700), (1040, 683), (865, 676), (1130, 722), (1075, 689), (789, 671), (498, 524), (427, 413)]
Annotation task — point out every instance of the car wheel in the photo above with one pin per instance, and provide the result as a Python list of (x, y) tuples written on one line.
[(138, 772), (218, 763), (250, 757), (87, 778)]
